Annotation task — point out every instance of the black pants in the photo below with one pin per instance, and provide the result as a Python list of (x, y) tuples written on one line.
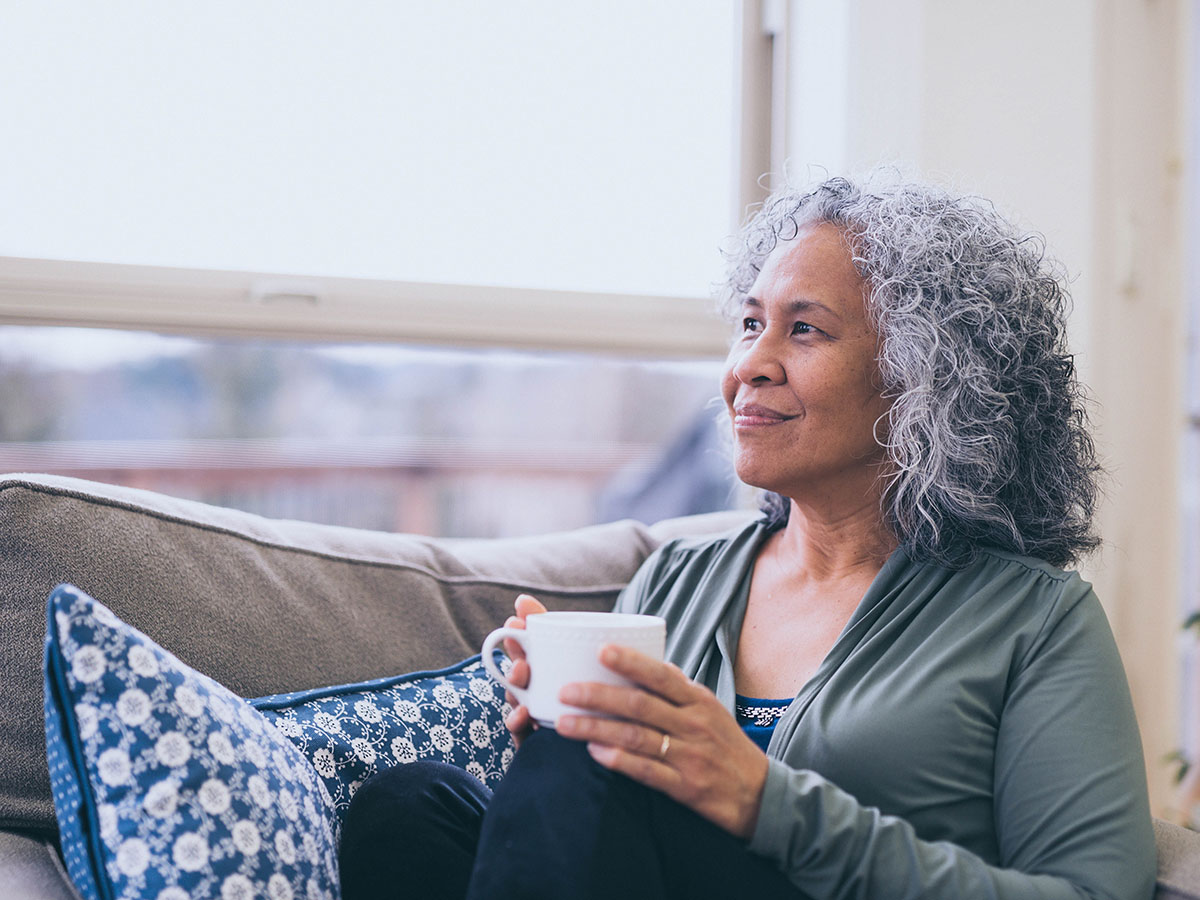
[(560, 826)]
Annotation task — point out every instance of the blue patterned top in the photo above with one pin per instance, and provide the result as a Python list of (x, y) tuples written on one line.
[(758, 717)]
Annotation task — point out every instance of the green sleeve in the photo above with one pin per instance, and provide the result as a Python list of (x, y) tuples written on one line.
[(1070, 806)]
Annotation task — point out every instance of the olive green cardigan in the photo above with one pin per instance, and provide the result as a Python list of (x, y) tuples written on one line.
[(970, 734)]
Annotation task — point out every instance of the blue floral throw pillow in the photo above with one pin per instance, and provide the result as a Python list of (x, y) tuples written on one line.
[(167, 785), (350, 732)]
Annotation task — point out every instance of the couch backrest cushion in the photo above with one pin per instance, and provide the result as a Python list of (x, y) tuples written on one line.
[(266, 606)]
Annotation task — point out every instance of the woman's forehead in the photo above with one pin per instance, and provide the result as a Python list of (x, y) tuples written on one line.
[(816, 266)]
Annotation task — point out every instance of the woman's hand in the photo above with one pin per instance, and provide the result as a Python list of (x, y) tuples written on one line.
[(519, 722), (672, 735)]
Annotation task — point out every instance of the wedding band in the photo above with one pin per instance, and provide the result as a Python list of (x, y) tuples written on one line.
[(664, 746)]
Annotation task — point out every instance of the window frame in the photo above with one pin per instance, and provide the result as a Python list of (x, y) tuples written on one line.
[(215, 303)]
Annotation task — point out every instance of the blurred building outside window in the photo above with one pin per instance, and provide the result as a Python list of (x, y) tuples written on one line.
[(432, 441)]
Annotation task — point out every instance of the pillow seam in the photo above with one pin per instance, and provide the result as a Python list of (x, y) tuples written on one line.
[(275, 702), (60, 697)]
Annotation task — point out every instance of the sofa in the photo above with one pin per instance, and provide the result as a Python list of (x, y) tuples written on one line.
[(297, 616)]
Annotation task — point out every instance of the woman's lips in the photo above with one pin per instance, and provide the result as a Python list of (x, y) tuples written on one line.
[(752, 416)]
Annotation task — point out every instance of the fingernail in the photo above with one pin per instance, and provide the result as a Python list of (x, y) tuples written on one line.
[(570, 694), (609, 655)]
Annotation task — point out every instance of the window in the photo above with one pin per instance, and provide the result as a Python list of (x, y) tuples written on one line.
[(277, 184)]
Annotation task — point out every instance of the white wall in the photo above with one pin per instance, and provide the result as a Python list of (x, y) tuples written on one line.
[(998, 99)]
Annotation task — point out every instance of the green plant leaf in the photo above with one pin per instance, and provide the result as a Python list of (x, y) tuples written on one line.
[(1181, 762)]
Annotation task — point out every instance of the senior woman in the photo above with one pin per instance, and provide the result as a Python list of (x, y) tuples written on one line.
[(886, 687)]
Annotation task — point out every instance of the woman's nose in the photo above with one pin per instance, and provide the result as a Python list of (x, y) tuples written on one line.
[(759, 362)]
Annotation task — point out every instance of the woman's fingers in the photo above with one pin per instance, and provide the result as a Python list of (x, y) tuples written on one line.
[(627, 707), (519, 723), (635, 737), (518, 719), (671, 735), (706, 763), (650, 771), (662, 691), (511, 647), (528, 605), (659, 678), (519, 674)]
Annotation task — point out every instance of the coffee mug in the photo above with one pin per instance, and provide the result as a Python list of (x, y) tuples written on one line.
[(563, 647)]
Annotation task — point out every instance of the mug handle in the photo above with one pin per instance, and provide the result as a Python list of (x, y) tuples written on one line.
[(489, 660)]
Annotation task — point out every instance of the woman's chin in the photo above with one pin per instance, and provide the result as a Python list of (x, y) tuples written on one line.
[(757, 478)]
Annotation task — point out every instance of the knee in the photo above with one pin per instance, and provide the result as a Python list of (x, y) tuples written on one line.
[(390, 791), (411, 821), (401, 801), (545, 747), (561, 814), (550, 761), (554, 768)]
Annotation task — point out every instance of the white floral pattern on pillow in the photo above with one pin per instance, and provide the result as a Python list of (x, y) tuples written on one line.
[(167, 785), (350, 732)]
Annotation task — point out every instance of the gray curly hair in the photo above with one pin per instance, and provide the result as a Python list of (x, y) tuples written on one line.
[(987, 435)]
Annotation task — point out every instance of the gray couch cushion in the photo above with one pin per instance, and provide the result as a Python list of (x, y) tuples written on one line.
[(31, 870), (266, 606), (1178, 862)]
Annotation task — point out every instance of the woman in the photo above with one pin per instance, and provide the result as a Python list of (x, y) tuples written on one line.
[(886, 687)]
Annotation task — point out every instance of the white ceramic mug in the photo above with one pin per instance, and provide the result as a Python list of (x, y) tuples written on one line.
[(564, 647)]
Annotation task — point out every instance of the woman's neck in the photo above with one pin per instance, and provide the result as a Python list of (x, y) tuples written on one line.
[(854, 543)]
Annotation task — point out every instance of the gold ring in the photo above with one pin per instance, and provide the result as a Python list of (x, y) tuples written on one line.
[(664, 746)]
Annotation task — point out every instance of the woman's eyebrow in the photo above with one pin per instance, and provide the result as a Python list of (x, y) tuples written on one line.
[(800, 305)]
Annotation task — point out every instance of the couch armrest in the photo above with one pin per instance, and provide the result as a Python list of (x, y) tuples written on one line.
[(31, 870), (1178, 862)]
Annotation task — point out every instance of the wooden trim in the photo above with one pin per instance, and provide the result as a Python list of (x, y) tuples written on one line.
[(249, 304), (756, 106)]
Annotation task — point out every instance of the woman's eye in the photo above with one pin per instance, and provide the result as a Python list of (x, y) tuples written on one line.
[(802, 328), (749, 324)]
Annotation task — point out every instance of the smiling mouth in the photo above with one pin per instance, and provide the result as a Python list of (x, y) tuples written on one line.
[(752, 416)]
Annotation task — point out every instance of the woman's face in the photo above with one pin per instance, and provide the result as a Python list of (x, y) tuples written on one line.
[(801, 381)]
